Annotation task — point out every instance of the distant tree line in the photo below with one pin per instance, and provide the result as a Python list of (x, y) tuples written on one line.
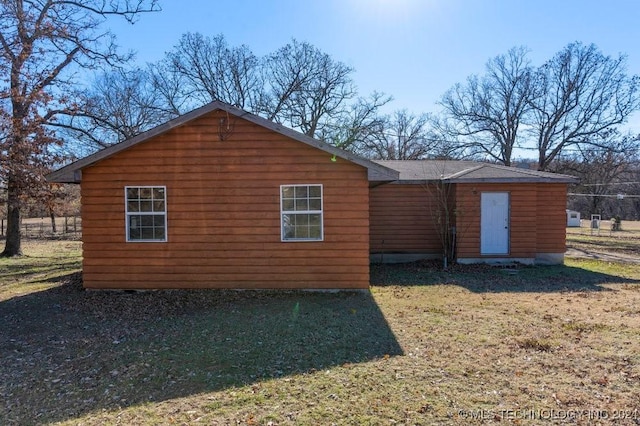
[(609, 180), (576, 100)]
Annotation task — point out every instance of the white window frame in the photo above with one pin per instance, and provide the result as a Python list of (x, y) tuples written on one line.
[(284, 212), (151, 213)]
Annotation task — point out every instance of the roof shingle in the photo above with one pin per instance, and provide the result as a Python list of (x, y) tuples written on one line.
[(454, 171)]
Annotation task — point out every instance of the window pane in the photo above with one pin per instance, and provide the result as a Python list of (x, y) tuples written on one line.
[(314, 219), (158, 221), (134, 222), (314, 232), (302, 219), (302, 232), (158, 206), (134, 233), (287, 205), (315, 191), (302, 191), (147, 233), (289, 233), (145, 206), (158, 193), (158, 233), (146, 221), (288, 226), (287, 192), (133, 206), (315, 204), (132, 193), (145, 193), (302, 205)]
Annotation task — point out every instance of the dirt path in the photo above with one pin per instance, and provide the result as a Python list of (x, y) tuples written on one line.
[(606, 256)]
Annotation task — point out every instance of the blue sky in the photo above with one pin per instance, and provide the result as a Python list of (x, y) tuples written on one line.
[(413, 50)]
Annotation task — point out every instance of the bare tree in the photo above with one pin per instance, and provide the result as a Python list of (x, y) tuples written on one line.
[(403, 136), (60, 199), (40, 43), (583, 93), (603, 170), (287, 72), (486, 113), (632, 204), (357, 124), (577, 95), (447, 145), (298, 84), (324, 98), (120, 105), (166, 82), (442, 208), (305, 87), (208, 69)]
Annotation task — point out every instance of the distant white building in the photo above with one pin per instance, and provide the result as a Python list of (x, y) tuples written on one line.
[(573, 218)]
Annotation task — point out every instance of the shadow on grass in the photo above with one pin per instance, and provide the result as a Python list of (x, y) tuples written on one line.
[(20, 269), (67, 352), (495, 279)]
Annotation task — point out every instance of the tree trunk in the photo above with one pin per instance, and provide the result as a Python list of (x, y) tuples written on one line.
[(53, 221), (14, 238)]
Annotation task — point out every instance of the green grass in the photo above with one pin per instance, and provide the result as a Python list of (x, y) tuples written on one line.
[(422, 347), (44, 264)]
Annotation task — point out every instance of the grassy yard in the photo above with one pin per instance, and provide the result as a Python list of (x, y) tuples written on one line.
[(476, 344), (623, 243)]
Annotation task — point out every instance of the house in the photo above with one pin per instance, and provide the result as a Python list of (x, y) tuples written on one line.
[(220, 198), (497, 213)]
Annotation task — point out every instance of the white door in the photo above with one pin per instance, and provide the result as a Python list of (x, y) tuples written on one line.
[(494, 223)]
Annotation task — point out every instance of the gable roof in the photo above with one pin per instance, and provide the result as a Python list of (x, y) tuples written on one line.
[(422, 171), (72, 173)]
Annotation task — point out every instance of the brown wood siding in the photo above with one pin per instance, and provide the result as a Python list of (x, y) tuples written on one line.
[(552, 218), (403, 219), (467, 221), (537, 218), (223, 213)]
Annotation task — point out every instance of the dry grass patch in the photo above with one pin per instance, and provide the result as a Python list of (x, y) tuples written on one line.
[(625, 242), (472, 345)]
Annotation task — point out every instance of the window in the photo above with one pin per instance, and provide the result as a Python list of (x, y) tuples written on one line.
[(301, 212), (146, 213)]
